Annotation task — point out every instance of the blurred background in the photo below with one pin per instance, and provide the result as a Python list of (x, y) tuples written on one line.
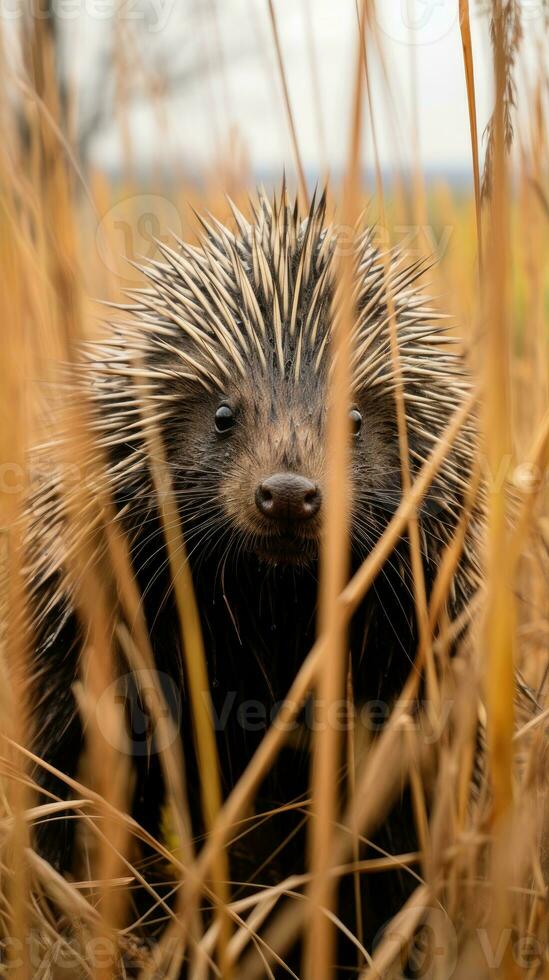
[(180, 86), (166, 103)]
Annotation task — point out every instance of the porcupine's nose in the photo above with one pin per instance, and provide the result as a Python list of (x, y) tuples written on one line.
[(288, 497)]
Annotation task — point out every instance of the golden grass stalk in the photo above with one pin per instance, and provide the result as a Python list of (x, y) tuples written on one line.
[(500, 605), (93, 598), (334, 560), (465, 27), (14, 664), (499, 599)]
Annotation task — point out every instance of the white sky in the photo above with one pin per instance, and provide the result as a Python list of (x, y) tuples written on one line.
[(240, 94)]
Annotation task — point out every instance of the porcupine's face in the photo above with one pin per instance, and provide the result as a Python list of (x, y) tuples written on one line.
[(250, 464), (241, 329), (259, 466)]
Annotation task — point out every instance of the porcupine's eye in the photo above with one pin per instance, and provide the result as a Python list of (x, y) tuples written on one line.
[(224, 418), (356, 421)]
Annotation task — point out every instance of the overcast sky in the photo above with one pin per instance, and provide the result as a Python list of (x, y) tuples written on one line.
[(238, 94)]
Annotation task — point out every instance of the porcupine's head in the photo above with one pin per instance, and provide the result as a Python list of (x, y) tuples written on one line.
[(235, 339)]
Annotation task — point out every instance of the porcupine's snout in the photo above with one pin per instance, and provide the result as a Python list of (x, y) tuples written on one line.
[(271, 486), (288, 498)]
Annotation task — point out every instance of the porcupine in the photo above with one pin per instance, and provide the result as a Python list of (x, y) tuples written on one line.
[(230, 344)]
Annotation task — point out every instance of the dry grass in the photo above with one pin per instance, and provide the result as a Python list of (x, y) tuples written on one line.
[(482, 868)]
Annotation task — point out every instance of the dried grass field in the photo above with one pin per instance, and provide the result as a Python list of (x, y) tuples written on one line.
[(466, 738)]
